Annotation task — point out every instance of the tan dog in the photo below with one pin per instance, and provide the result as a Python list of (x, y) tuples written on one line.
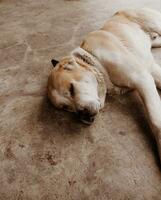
[(116, 58)]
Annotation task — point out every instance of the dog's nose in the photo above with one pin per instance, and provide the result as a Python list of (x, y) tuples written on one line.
[(84, 111)]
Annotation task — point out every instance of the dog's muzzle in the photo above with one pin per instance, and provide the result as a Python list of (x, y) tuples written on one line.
[(86, 116)]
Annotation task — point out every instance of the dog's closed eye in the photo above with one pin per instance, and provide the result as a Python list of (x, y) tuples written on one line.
[(72, 91)]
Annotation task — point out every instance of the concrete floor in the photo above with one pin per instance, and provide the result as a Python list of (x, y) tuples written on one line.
[(46, 154)]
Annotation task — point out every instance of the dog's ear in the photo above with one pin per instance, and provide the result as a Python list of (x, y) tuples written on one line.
[(54, 62)]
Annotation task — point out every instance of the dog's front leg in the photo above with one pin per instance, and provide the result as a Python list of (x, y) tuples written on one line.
[(145, 85)]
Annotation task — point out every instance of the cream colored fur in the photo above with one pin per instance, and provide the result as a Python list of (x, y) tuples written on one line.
[(115, 59)]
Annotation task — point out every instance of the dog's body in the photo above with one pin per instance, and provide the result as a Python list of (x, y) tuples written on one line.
[(117, 58)]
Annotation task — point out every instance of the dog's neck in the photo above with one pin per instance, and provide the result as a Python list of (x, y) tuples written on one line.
[(89, 59)]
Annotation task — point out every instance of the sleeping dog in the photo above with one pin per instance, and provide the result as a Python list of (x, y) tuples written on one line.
[(115, 59)]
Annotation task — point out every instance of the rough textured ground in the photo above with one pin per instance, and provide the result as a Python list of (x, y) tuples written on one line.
[(46, 154)]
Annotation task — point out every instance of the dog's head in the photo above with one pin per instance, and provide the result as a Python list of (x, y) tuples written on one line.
[(72, 86)]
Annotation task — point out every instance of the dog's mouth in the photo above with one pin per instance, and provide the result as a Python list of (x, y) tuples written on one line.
[(86, 118)]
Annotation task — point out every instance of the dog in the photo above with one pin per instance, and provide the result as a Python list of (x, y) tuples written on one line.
[(113, 60)]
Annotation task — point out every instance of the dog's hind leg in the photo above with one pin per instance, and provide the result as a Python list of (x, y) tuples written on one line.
[(149, 20), (145, 86)]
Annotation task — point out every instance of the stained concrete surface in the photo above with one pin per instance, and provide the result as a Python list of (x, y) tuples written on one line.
[(46, 154)]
